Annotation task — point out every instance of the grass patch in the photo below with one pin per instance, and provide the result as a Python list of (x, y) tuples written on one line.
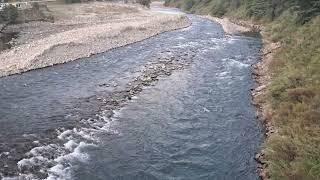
[(294, 152)]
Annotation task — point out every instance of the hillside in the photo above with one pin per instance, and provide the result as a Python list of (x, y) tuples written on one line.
[(292, 97)]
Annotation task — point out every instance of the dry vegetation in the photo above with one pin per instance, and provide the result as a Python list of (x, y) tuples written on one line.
[(294, 93)]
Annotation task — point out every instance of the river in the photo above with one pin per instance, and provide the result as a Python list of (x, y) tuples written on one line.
[(175, 106)]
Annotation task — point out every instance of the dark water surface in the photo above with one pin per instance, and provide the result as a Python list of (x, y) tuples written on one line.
[(197, 123)]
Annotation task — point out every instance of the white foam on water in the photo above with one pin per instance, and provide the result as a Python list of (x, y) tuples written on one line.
[(223, 75), (214, 47), (65, 134), (237, 63), (103, 116), (205, 109), (33, 161), (58, 172), (204, 145), (22, 177), (71, 152), (189, 44), (63, 169), (70, 145), (58, 160), (66, 154), (29, 135), (180, 37), (85, 133), (4, 154), (231, 40), (117, 113), (39, 157), (181, 45), (134, 97), (76, 155), (218, 40), (37, 151)]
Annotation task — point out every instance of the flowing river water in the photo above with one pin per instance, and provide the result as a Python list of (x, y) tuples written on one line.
[(173, 107)]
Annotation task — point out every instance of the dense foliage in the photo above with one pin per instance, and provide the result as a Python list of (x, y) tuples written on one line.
[(268, 9), (294, 94)]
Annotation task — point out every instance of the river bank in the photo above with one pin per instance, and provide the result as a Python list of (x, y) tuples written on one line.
[(81, 30), (259, 94)]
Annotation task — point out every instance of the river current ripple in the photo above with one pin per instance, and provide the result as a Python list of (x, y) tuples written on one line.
[(194, 122)]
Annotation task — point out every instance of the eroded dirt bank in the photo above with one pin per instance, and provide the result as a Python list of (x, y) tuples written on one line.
[(81, 30)]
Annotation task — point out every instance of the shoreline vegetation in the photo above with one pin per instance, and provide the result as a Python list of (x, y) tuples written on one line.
[(80, 30), (287, 95)]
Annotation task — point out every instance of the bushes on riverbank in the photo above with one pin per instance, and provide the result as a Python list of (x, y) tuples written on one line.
[(293, 153)]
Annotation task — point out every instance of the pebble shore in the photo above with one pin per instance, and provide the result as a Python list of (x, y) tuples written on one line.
[(87, 36)]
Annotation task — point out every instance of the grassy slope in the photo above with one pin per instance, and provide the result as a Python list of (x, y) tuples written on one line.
[(294, 94), (294, 153)]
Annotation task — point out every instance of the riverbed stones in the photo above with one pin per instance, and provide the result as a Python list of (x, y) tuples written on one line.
[(150, 73), (72, 38)]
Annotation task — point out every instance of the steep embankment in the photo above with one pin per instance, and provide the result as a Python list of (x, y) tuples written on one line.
[(288, 77), (81, 30)]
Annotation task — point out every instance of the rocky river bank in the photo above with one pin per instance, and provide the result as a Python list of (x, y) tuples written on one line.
[(81, 30)]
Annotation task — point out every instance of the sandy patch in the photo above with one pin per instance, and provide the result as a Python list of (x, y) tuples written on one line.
[(81, 30)]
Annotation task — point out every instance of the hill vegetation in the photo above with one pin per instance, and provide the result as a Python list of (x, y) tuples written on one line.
[(293, 153)]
